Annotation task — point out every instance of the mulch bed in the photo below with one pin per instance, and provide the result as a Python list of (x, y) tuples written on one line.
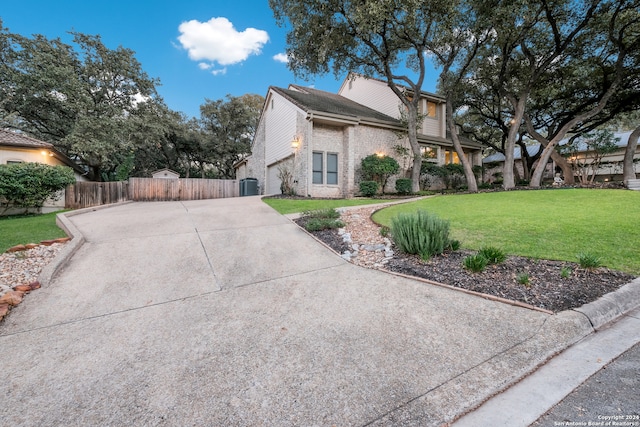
[(546, 288)]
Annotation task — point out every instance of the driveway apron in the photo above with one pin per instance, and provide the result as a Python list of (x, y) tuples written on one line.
[(223, 312)]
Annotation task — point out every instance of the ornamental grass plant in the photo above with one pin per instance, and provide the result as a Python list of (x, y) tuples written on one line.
[(420, 233)]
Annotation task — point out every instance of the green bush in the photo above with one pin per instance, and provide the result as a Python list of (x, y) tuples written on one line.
[(589, 261), (475, 263), (493, 255), (420, 233), (327, 213), (29, 185), (403, 185), (368, 188), (378, 168), (317, 224)]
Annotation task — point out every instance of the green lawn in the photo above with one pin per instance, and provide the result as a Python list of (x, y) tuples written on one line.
[(550, 224), (287, 206), (19, 230)]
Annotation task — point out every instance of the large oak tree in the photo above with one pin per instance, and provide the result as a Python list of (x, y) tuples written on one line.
[(386, 39)]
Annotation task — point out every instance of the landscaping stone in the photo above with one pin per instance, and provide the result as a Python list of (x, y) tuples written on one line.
[(22, 288), (11, 298)]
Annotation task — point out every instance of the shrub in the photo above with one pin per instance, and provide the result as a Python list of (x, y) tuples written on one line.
[(420, 233), (29, 185), (317, 224), (403, 185), (368, 188), (475, 263), (327, 213), (493, 255), (453, 176), (589, 261), (484, 186), (378, 168)]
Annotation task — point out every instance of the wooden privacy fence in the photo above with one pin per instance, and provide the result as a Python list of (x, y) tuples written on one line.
[(157, 189), (88, 194)]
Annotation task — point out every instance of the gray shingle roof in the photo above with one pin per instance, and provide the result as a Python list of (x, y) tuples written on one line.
[(621, 140), (315, 100), (8, 138)]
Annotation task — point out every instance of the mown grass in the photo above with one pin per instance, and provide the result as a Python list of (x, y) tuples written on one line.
[(287, 206), (548, 224), (19, 230)]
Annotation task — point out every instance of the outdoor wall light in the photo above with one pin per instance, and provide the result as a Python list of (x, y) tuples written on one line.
[(380, 154), (295, 143)]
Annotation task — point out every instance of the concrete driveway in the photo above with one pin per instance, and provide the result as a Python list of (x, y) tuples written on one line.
[(223, 312)]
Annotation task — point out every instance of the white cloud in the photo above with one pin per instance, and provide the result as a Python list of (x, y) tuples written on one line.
[(219, 71), (204, 66), (218, 41), (281, 57)]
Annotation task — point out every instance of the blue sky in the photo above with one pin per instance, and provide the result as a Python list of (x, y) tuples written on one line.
[(198, 49)]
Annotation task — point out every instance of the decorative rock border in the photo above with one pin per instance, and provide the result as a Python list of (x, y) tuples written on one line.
[(12, 296), (20, 248)]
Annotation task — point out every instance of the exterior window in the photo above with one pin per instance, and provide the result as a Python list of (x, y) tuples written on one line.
[(14, 162), (317, 168), (332, 169), (429, 153), (325, 174), (432, 109), (451, 157)]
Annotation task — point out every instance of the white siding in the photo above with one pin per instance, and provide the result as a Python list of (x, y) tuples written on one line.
[(373, 94), (280, 128)]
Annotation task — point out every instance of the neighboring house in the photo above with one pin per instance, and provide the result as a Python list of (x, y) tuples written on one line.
[(19, 148), (610, 168), (319, 138), (165, 174)]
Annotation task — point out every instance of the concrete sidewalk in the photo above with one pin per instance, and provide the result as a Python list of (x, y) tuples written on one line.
[(223, 312)]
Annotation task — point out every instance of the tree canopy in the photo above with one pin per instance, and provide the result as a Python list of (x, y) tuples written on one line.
[(378, 38), (99, 107), (512, 71)]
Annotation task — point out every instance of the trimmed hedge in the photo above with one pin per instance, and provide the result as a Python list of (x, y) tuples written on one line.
[(368, 188)]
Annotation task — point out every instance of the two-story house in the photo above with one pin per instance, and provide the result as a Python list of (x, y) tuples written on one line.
[(318, 138)]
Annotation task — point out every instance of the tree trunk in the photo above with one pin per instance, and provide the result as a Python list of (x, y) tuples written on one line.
[(536, 178), (472, 185), (628, 170), (507, 172), (567, 170), (412, 132)]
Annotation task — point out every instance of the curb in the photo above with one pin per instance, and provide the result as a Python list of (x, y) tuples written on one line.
[(76, 242), (613, 305)]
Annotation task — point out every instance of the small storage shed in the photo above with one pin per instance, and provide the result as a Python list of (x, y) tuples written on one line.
[(165, 174)]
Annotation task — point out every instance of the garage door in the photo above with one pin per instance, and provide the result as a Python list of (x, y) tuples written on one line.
[(273, 182)]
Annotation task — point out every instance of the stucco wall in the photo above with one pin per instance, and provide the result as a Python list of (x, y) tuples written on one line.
[(8, 154)]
